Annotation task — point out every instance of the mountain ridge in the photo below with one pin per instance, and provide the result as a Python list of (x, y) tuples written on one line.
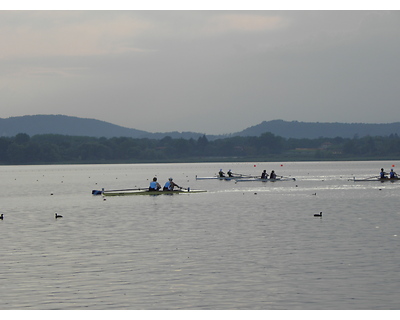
[(75, 126), (312, 130)]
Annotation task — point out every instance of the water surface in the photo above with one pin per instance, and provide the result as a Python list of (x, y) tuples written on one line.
[(245, 245)]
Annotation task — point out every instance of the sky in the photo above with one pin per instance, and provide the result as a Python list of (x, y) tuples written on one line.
[(213, 71)]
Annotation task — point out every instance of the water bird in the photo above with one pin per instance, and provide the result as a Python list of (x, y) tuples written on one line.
[(56, 215), (1, 217), (318, 214)]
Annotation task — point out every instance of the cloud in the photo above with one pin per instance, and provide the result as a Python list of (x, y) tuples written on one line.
[(245, 22), (68, 33)]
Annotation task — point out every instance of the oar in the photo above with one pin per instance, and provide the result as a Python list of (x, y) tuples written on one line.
[(372, 177)]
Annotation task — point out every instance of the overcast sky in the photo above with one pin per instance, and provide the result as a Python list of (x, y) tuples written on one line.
[(211, 72)]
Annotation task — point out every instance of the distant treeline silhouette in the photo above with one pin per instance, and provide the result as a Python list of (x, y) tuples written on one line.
[(53, 149)]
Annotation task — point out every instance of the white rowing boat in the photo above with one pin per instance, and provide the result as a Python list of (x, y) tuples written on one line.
[(266, 179), (376, 179), (223, 178)]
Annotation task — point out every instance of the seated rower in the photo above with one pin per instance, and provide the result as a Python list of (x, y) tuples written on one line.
[(272, 175), (382, 174), (230, 174), (169, 185), (392, 174), (264, 175), (154, 185), (221, 173)]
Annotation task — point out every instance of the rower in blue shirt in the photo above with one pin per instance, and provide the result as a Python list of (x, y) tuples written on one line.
[(383, 174), (392, 174), (169, 185), (154, 185)]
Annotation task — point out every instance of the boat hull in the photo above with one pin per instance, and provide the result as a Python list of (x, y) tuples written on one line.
[(148, 193), (377, 180), (266, 180), (221, 178)]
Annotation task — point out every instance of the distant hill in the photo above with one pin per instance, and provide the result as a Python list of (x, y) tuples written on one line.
[(313, 130), (74, 126)]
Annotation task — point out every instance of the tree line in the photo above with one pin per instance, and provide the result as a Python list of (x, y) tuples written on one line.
[(54, 148)]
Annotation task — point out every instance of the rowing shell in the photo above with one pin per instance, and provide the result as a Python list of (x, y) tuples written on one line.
[(266, 180), (223, 178), (376, 179), (146, 192)]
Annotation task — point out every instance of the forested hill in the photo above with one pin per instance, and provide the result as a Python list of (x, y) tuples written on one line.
[(314, 130), (65, 125), (74, 126)]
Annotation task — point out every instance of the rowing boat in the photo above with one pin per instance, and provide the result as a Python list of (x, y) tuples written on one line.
[(223, 178), (375, 179), (266, 179), (146, 192)]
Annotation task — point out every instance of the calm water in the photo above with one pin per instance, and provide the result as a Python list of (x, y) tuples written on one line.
[(248, 245)]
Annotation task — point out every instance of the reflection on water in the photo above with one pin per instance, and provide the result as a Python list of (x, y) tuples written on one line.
[(249, 245)]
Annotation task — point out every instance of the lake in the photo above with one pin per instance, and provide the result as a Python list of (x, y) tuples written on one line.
[(239, 246)]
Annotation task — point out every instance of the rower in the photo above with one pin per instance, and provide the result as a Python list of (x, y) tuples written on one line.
[(169, 185), (154, 185), (221, 173), (264, 175), (392, 174), (382, 174), (230, 174), (272, 175)]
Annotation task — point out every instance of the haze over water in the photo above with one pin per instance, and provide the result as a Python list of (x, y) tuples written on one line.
[(245, 245)]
